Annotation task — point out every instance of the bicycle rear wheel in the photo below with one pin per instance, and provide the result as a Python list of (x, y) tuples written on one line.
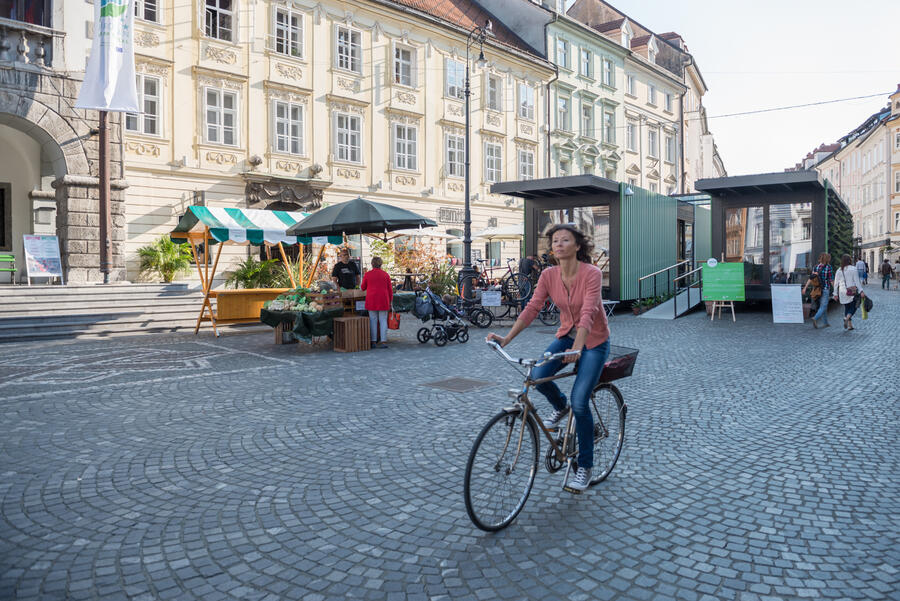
[(500, 474), (608, 411), (516, 287), (549, 315)]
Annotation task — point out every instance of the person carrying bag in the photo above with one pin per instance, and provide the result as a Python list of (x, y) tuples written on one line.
[(846, 289)]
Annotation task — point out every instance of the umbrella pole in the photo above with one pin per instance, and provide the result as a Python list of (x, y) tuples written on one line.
[(302, 278), (312, 272), (287, 265), (361, 262)]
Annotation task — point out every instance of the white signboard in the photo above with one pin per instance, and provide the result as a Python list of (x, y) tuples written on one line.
[(490, 298), (787, 303), (42, 258), (361, 305), (320, 240)]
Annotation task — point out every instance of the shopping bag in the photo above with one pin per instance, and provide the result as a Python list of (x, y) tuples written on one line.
[(393, 321)]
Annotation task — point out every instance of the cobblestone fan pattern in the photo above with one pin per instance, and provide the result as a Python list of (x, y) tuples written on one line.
[(760, 463)]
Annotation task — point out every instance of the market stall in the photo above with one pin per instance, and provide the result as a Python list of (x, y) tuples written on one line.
[(217, 226)]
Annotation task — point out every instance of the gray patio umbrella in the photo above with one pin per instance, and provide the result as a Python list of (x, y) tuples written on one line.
[(359, 216)]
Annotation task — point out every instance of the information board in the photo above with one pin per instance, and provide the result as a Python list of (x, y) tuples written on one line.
[(42, 258), (490, 298), (723, 281), (787, 303)]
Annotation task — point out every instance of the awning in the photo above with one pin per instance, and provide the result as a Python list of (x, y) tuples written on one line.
[(507, 232), (244, 226)]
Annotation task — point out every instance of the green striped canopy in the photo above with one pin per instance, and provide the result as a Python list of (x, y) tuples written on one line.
[(244, 226)]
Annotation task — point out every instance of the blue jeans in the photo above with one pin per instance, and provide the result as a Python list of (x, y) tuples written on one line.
[(850, 308), (862, 275), (822, 313), (589, 367)]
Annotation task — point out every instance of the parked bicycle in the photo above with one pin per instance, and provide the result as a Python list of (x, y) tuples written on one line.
[(506, 454), (549, 313)]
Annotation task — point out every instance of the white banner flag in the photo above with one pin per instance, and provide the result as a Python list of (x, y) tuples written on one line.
[(109, 81)]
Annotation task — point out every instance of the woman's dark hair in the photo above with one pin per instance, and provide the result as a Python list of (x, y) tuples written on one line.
[(825, 258), (585, 244), (845, 261), (376, 262)]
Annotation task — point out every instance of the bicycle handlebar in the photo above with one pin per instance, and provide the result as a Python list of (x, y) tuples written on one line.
[(546, 358)]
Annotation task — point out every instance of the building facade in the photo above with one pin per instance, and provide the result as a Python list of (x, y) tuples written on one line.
[(50, 152), (864, 167), (290, 104)]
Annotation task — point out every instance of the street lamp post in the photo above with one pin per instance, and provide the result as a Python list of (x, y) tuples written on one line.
[(467, 274)]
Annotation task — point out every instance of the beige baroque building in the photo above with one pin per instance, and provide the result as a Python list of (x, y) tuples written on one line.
[(290, 104), (864, 166)]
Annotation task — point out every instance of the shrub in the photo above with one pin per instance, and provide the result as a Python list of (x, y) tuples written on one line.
[(251, 273), (165, 258)]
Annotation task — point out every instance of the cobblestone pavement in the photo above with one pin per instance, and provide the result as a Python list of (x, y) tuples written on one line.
[(760, 462)]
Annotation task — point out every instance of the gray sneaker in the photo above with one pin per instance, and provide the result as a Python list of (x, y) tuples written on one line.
[(580, 481), (552, 422)]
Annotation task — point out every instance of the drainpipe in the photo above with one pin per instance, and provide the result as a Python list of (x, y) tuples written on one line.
[(681, 127), (549, 83)]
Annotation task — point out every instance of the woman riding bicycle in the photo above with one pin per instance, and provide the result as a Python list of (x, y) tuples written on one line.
[(574, 284)]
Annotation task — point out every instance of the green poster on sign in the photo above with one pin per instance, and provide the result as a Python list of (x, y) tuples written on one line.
[(723, 281)]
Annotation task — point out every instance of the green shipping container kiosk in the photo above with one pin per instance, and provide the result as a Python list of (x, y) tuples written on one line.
[(636, 232), (777, 225)]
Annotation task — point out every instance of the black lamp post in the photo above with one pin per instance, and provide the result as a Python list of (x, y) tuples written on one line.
[(467, 274)]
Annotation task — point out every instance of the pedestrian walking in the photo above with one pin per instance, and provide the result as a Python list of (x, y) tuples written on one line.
[(862, 269), (847, 284), (897, 274), (814, 286), (826, 279), (379, 293), (886, 275)]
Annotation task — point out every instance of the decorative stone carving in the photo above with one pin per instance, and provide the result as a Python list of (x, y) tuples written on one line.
[(346, 107), (405, 180), (226, 57), (263, 194), (146, 39), (455, 187), (142, 149), (292, 166), (455, 110), (152, 69), (221, 158), (219, 82), (492, 119), (289, 71), (526, 129), (406, 98), (350, 85), (348, 173)]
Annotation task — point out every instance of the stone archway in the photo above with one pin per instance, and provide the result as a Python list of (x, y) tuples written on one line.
[(41, 105)]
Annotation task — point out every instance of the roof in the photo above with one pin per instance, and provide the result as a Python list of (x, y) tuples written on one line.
[(641, 40), (468, 15), (761, 183), (555, 187), (242, 226), (608, 26)]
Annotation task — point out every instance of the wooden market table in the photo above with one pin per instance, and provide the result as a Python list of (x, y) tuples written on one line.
[(236, 306)]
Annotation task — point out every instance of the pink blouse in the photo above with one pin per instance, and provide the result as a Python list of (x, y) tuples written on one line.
[(581, 307)]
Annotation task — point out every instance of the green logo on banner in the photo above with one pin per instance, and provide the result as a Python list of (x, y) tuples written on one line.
[(113, 8), (723, 281)]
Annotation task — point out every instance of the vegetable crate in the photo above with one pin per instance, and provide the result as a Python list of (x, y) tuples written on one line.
[(329, 300)]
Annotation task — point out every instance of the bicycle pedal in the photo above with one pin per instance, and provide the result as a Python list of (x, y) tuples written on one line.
[(574, 491)]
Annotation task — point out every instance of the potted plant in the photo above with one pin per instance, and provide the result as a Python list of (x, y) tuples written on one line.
[(165, 258), (251, 273)]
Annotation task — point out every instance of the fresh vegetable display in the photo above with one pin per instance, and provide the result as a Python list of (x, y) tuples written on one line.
[(304, 300)]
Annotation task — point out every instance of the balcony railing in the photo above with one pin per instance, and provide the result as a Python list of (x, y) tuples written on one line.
[(26, 44)]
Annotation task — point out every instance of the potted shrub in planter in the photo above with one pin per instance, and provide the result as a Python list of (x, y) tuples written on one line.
[(165, 258)]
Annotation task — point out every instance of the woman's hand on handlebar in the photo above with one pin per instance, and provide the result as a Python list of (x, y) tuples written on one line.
[(571, 358), (496, 338)]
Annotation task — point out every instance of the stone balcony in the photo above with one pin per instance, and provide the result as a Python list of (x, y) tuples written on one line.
[(30, 46)]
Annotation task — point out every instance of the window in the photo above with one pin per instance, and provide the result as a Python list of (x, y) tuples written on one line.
[(651, 94), (896, 223), (897, 141), (146, 122), (630, 86), (220, 19), (632, 181), (609, 128), (631, 136), (669, 101), (563, 113), (288, 32), (288, 127), (562, 53), (654, 187), (587, 120), (349, 49), (608, 78), (563, 168), (36, 12), (526, 101), (221, 116), (348, 137), (456, 156), (653, 143), (493, 163), (146, 10), (454, 73), (404, 59), (897, 182), (670, 149), (526, 164), (587, 168), (405, 146), (586, 63), (670, 190), (626, 37), (495, 93)]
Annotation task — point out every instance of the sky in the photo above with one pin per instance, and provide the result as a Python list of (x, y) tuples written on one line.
[(766, 53)]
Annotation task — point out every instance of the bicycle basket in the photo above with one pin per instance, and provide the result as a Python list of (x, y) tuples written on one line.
[(619, 364)]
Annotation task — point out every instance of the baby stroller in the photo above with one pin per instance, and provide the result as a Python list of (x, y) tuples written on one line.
[(447, 324)]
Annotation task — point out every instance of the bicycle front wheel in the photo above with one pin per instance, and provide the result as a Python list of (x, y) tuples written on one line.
[(549, 315), (608, 411), (500, 471)]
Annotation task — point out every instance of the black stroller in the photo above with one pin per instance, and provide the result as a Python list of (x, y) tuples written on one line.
[(447, 323)]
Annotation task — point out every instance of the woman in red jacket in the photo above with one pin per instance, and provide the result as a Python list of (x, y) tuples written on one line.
[(379, 294)]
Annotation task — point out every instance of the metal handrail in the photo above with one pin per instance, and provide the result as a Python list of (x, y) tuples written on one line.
[(649, 275), (653, 275), (688, 287)]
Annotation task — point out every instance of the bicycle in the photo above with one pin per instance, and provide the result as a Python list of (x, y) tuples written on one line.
[(549, 313), (505, 456)]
